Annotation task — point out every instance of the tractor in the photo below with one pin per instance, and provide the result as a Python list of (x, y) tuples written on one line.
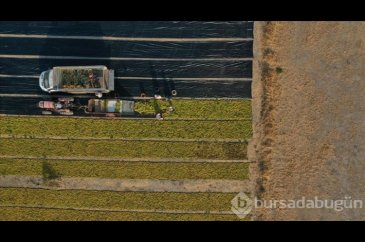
[(62, 106)]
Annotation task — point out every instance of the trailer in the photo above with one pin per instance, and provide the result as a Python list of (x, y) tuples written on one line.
[(110, 107), (78, 80), (94, 107)]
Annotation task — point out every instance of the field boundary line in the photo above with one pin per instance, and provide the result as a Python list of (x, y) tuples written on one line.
[(134, 119), (207, 140), (91, 158), (121, 58), (129, 98), (151, 78), (212, 212), (135, 39)]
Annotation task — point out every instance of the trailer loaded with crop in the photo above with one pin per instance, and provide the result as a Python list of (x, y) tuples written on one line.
[(78, 80)]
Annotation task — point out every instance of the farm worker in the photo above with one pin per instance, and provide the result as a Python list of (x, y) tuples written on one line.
[(159, 116), (58, 105), (99, 94)]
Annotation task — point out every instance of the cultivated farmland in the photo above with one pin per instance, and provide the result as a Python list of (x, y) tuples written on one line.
[(205, 140)]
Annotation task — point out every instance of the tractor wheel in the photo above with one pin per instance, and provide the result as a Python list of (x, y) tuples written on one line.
[(67, 113), (173, 92)]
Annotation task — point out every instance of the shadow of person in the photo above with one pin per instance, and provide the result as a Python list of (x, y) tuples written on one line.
[(142, 90), (166, 86), (172, 87), (155, 84)]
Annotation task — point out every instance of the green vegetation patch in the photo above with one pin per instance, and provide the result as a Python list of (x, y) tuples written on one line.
[(48, 172)]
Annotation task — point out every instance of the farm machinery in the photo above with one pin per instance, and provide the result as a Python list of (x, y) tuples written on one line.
[(63, 106), (113, 107), (94, 107)]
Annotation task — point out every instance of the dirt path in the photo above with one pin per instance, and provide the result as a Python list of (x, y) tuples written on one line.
[(123, 185), (308, 116)]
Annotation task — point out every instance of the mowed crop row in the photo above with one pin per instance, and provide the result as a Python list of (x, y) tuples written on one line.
[(114, 128), (123, 149), (129, 170), (47, 214), (117, 200)]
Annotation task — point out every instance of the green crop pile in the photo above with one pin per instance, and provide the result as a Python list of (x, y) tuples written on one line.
[(80, 78)]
